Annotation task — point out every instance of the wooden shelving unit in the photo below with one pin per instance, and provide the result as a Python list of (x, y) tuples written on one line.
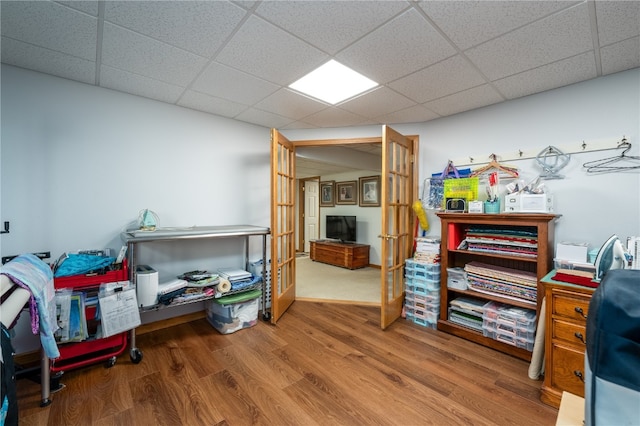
[(453, 232)]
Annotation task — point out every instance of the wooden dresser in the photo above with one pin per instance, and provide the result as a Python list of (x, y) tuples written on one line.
[(567, 307), (346, 255)]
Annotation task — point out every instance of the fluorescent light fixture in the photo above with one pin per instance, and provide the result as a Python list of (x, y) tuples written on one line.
[(333, 83)]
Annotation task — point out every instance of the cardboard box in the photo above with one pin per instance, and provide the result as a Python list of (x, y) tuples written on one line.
[(528, 203)]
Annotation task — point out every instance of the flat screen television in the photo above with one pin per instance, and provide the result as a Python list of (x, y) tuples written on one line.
[(341, 228)]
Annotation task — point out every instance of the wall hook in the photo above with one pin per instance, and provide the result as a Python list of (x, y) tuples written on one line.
[(584, 145), (6, 228)]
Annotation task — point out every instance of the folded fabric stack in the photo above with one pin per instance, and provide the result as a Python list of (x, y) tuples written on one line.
[(427, 250), (501, 281), (239, 278), (514, 240), (200, 278)]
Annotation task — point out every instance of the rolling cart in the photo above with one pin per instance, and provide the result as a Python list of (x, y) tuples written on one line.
[(92, 350)]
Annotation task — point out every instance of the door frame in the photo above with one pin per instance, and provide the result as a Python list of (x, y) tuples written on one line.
[(415, 139)]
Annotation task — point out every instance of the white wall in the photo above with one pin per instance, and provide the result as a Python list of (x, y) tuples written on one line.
[(592, 206), (368, 218), (79, 163)]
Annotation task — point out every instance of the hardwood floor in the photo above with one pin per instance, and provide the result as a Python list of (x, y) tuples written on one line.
[(322, 364)]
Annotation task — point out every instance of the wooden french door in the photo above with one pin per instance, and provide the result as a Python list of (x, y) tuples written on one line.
[(399, 177), (283, 253)]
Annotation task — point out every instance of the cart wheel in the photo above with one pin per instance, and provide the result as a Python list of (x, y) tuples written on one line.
[(136, 356), (266, 316), (110, 362)]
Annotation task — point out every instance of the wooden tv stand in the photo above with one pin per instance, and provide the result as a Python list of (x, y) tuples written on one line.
[(346, 255)]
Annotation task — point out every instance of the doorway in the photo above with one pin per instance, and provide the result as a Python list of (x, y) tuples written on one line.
[(398, 190)]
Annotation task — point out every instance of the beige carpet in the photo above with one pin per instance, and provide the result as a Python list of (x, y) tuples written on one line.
[(315, 280)]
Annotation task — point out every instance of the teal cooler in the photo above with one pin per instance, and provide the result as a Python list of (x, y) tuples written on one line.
[(229, 314)]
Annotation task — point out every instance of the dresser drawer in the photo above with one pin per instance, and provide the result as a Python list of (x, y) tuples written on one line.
[(570, 332), (570, 305), (567, 366)]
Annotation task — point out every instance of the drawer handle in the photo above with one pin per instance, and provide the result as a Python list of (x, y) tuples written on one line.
[(579, 310), (579, 375), (579, 336)]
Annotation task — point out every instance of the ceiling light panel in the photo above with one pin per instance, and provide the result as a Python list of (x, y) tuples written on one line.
[(333, 83)]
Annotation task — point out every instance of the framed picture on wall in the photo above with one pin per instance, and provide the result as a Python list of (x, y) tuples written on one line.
[(369, 191), (346, 192), (326, 194)]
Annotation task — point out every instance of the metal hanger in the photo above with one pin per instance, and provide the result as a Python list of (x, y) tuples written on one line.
[(552, 160), (608, 164)]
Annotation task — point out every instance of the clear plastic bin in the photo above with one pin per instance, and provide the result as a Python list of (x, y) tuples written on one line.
[(515, 341), (421, 285), (457, 279)]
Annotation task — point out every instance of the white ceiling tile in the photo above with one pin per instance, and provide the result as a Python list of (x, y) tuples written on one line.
[(378, 102), (298, 125), (159, 48), (414, 114), (287, 103), (334, 117), (444, 78), (617, 20), (558, 74), (330, 29), (559, 36), (142, 55), (469, 23), (263, 118), (469, 99), (224, 82), (211, 104), (123, 81), (90, 7), (404, 45), (52, 26), (620, 56), (266, 51), (200, 27), (47, 61)]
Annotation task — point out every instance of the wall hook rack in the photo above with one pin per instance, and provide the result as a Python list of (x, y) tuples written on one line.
[(526, 154)]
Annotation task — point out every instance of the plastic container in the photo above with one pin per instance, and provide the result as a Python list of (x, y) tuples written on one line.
[(457, 279), (423, 318), (515, 341), (420, 285), (232, 313)]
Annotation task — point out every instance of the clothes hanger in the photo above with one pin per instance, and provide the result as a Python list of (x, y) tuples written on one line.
[(608, 164), (511, 172), (552, 160)]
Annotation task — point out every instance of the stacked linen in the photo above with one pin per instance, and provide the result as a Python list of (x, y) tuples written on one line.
[(501, 281), (239, 278), (427, 250), (519, 241)]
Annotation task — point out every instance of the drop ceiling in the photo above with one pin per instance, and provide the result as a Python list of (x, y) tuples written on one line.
[(236, 58)]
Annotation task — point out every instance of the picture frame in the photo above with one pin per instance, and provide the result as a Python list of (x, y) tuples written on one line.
[(369, 191), (346, 192), (327, 194)]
